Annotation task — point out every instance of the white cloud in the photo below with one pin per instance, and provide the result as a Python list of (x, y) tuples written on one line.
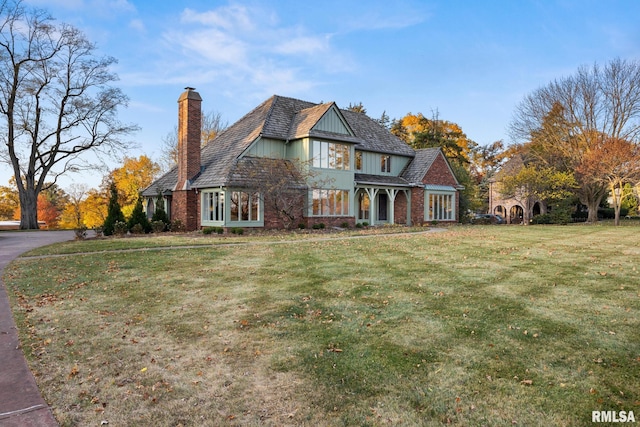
[(232, 18), (250, 50), (211, 45), (138, 25), (307, 45)]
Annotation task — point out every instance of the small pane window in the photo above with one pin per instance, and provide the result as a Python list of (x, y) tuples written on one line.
[(385, 164)]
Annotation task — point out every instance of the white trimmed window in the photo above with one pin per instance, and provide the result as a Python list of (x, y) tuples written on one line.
[(358, 160), (245, 206), (440, 206), (363, 205), (213, 205), (330, 155), (330, 202), (385, 163)]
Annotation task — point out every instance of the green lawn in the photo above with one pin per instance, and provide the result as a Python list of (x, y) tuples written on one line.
[(490, 325)]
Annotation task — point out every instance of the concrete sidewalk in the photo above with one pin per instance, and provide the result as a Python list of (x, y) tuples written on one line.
[(21, 404)]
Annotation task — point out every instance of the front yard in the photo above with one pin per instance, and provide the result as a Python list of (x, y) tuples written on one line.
[(472, 326)]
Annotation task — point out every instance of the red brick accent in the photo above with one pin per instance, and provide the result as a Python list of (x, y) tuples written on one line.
[(417, 206), (185, 206), (438, 174), (330, 221), (400, 208), (189, 133)]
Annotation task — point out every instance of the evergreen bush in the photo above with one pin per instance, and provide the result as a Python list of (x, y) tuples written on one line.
[(160, 214), (138, 217), (114, 212)]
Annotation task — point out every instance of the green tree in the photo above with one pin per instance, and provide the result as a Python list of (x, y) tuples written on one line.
[(138, 217), (114, 213), (531, 183), (357, 108), (160, 214)]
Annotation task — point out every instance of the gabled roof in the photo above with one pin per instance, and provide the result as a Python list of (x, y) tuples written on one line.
[(422, 162), (281, 118)]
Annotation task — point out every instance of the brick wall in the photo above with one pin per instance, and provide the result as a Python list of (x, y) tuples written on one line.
[(185, 206), (438, 174), (400, 208), (189, 132)]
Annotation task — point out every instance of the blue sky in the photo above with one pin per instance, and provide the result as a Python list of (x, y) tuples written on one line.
[(472, 61)]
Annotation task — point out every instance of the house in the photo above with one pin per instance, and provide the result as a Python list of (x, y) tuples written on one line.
[(515, 210), (347, 168)]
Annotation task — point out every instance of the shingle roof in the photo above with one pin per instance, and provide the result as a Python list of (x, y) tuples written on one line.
[(280, 118), (393, 181), (260, 171), (163, 185), (421, 163)]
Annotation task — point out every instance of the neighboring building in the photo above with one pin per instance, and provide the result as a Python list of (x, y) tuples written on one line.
[(513, 209), (362, 172)]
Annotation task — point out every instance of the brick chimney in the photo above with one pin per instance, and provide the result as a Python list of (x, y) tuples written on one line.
[(185, 202), (189, 131)]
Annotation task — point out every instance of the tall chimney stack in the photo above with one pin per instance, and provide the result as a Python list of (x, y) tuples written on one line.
[(189, 132)]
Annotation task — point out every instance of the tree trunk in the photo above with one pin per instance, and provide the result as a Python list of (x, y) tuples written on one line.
[(28, 209), (591, 195)]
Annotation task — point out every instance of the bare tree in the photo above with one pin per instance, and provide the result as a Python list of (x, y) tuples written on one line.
[(283, 186), (212, 125), (56, 101), (570, 116)]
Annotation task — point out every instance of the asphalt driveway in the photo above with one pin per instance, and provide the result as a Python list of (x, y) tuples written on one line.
[(21, 403)]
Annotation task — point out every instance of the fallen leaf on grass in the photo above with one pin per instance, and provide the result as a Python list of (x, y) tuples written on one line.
[(74, 371), (526, 382)]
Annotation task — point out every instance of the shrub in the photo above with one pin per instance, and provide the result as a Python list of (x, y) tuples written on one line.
[(177, 226), (610, 213), (120, 228), (210, 230), (237, 230), (366, 224), (318, 226), (98, 231), (542, 219), (137, 229), (359, 225), (302, 226), (345, 224), (158, 226)]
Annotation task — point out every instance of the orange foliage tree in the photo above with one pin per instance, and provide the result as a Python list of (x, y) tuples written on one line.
[(131, 178), (613, 162)]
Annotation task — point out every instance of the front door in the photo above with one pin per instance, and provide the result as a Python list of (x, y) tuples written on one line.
[(382, 207)]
